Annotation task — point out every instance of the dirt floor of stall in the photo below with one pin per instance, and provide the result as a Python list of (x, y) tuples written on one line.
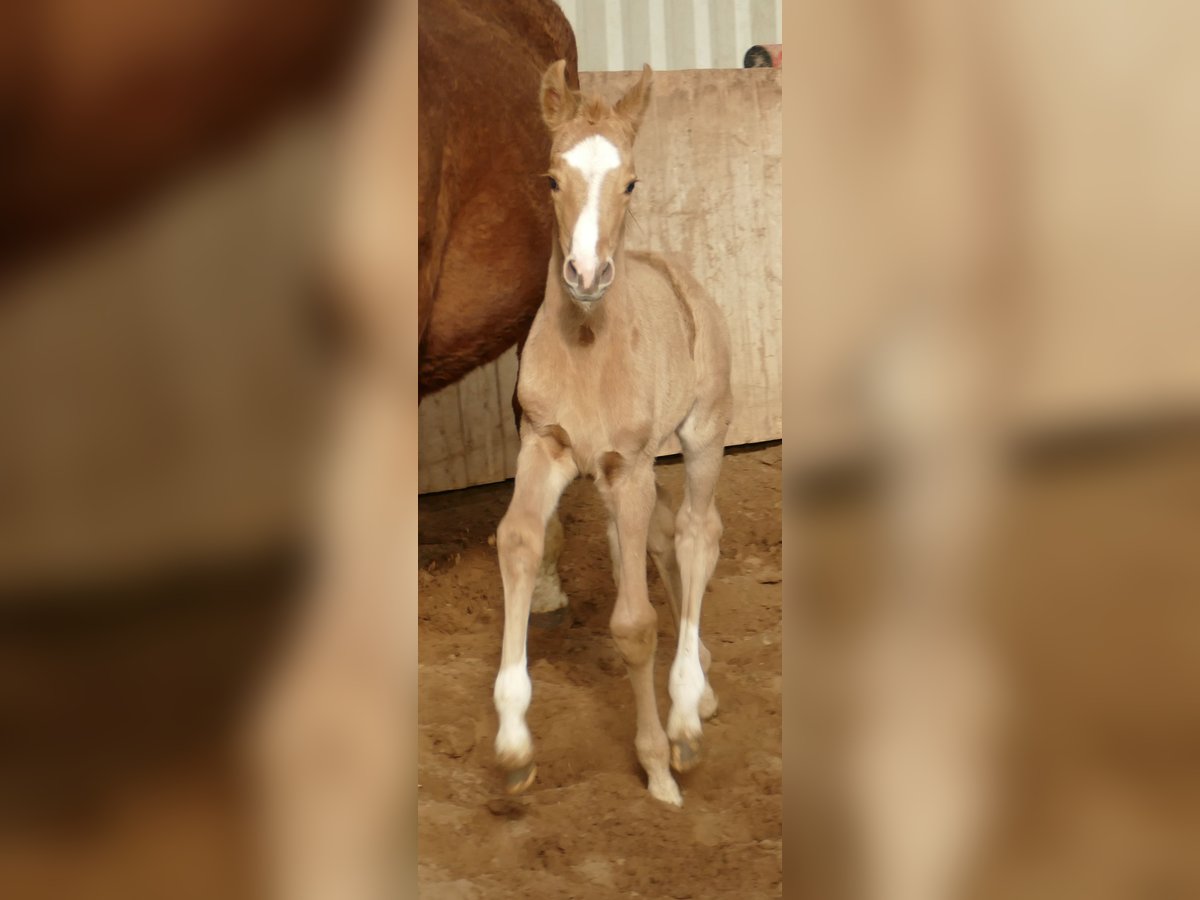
[(587, 828)]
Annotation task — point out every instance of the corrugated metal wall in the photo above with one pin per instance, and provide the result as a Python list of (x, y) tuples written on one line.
[(621, 35)]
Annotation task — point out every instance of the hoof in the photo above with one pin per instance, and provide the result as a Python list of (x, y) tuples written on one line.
[(665, 790), (685, 754), (556, 618), (519, 779)]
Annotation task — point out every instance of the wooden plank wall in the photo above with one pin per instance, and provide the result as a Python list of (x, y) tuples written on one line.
[(710, 163)]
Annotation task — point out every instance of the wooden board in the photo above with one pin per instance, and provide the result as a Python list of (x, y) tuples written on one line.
[(711, 169)]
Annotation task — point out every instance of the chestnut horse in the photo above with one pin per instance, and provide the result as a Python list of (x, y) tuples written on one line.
[(484, 220)]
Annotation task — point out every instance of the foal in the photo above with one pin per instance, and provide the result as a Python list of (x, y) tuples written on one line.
[(625, 350)]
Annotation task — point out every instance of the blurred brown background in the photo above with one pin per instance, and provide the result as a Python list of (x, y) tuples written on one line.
[(1036, 164), (164, 168)]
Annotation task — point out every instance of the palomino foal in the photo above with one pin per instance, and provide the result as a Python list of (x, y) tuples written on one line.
[(626, 349)]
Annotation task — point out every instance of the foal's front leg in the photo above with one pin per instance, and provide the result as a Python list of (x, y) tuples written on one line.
[(630, 496), (544, 469), (548, 598)]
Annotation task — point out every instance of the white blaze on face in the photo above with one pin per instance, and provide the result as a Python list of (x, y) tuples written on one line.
[(594, 157)]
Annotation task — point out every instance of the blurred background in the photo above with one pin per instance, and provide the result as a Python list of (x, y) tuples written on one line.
[(162, 367), (992, 393)]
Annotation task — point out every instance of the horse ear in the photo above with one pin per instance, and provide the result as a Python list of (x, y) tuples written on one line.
[(559, 102), (632, 107)]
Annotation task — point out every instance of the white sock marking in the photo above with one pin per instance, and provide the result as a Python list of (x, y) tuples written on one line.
[(512, 694), (686, 684)]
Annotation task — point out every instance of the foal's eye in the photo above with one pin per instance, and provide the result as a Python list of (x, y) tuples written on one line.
[(629, 187), (553, 182)]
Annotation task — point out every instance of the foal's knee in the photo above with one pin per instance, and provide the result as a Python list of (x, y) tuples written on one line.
[(520, 541), (704, 524), (712, 527), (635, 633), (661, 538), (699, 532)]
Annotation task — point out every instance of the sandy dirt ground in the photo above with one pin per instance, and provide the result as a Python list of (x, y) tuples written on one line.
[(588, 828)]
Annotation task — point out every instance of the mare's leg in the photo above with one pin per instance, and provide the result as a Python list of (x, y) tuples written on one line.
[(544, 469), (629, 494), (662, 551), (697, 537), (548, 596)]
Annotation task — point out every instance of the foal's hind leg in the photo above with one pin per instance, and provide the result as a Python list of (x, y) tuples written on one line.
[(544, 469), (548, 596), (697, 538), (662, 551), (630, 498)]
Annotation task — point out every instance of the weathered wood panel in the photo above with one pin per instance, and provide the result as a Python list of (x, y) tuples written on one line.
[(710, 160)]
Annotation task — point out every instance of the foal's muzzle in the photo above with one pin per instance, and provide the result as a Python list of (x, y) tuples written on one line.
[(584, 282)]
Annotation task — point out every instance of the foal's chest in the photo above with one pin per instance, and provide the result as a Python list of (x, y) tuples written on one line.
[(590, 399)]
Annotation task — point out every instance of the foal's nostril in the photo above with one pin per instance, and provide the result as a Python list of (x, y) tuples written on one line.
[(570, 273), (607, 273)]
